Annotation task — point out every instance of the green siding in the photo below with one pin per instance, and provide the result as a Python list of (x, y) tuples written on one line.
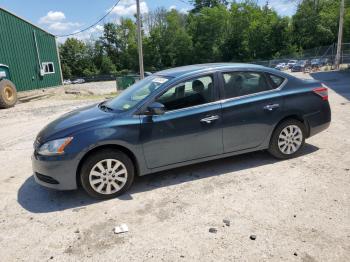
[(18, 51)]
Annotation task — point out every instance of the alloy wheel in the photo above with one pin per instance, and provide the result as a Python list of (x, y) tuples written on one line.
[(290, 139), (108, 176)]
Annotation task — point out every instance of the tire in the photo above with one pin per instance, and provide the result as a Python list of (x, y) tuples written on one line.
[(96, 180), (285, 145), (8, 94)]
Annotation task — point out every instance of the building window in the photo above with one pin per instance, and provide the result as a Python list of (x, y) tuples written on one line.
[(48, 68)]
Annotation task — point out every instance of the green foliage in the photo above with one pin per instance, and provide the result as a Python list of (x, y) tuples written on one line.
[(66, 71), (75, 59), (347, 22), (107, 66), (208, 29), (199, 4), (214, 31), (316, 23)]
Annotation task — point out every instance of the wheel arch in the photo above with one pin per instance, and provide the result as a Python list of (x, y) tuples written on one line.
[(296, 117), (123, 149)]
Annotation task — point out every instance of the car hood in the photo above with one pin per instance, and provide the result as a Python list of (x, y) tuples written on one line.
[(74, 121)]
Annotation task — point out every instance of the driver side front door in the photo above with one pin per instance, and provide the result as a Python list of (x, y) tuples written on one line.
[(191, 127)]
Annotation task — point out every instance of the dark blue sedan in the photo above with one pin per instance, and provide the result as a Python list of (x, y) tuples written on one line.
[(179, 117)]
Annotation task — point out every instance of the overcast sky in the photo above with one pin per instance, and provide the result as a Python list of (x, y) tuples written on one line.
[(66, 16)]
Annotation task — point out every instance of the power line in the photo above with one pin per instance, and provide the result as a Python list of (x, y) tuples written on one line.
[(185, 2), (94, 24)]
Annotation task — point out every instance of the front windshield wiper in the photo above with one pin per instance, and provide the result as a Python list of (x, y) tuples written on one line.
[(104, 107)]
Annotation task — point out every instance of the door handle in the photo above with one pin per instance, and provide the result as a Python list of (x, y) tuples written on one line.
[(271, 107), (209, 119)]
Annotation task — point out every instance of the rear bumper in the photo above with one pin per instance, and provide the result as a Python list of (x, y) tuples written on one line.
[(58, 173), (319, 121)]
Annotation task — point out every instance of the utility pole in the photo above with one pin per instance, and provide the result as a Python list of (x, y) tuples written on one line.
[(340, 35), (139, 39)]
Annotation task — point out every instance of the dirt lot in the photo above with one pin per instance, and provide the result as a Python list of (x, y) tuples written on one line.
[(298, 209)]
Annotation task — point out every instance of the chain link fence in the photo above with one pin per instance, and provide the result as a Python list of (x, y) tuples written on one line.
[(327, 53)]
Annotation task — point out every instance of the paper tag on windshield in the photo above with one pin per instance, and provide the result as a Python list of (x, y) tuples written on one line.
[(159, 80)]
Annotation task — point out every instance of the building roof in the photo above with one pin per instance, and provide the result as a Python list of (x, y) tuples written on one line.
[(3, 9)]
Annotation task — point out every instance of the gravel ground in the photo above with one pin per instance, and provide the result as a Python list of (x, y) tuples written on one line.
[(93, 90), (299, 210)]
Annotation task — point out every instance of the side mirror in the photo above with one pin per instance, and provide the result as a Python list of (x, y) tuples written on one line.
[(156, 108)]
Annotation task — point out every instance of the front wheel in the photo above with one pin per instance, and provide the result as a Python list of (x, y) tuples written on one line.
[(287, 139), (107, 174)]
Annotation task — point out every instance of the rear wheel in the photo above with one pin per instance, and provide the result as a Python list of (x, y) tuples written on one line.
[(107, 174), (287, 139), (8, 94)]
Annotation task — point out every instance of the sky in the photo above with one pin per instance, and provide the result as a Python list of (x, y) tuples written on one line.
[(61, 17)]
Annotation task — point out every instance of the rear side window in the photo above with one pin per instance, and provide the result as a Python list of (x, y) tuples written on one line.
[(244, 83), (276, 81)]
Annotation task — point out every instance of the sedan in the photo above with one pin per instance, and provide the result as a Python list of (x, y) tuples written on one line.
[(281, 66), (179, 117), (291, 63), (78, 81), (301, 66)]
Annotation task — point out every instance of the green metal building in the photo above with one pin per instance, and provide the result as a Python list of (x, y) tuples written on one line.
[(30, 52)]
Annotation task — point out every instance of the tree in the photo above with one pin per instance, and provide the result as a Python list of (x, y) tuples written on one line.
[(120, 43), (213, 31), (209, 30), (199, 4), (66, 71), (168, 43), (107, 66), (74, 55), (176, 47), (315, 23), (346, 33)]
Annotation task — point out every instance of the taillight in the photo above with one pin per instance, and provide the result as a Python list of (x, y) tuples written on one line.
[(322, 92)]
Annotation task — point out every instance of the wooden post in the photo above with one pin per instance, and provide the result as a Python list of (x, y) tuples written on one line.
[(340, 35), (139, 40)]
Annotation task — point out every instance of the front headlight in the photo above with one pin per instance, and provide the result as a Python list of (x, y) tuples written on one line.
[(54, 147)]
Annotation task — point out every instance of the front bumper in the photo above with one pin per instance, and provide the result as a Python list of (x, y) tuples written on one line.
[(55, 172)]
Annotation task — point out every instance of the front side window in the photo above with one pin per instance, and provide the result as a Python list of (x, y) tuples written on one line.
[(244, 83), (187, 94)]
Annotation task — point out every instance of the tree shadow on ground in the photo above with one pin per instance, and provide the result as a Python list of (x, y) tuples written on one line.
[(37, 199), (338, 81)]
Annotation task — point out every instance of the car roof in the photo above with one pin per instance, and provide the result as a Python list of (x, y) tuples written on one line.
[(186, 70)]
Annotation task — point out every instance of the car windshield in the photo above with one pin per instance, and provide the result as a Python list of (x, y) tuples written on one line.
[(136, 93)]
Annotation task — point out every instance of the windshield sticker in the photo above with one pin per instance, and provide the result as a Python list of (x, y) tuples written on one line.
[(159, 80)]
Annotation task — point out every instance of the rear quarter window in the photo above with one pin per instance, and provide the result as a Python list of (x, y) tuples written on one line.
[(276, 81)]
